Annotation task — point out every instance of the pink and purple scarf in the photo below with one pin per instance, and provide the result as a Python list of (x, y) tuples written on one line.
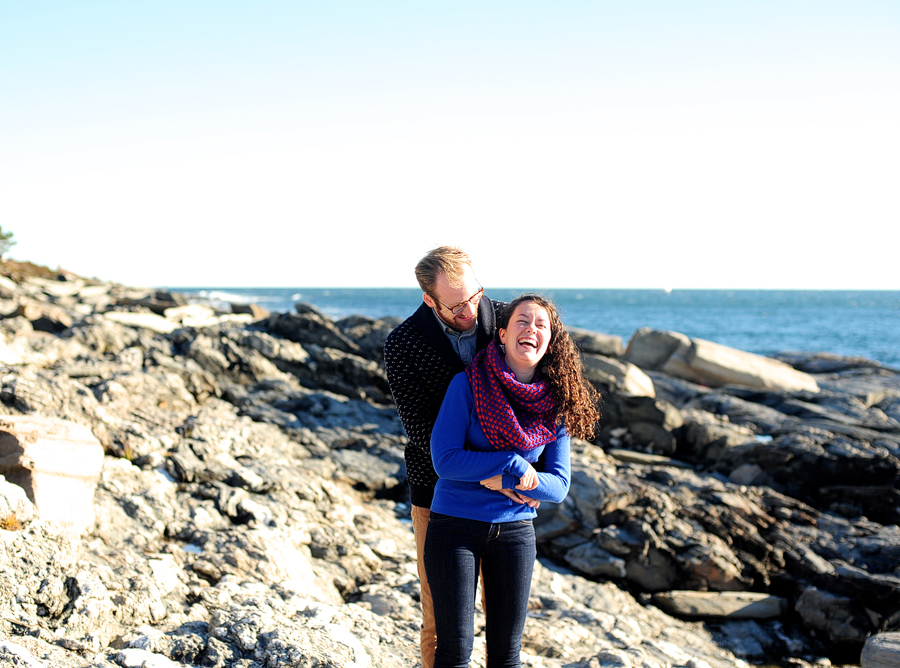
[(513, 415)]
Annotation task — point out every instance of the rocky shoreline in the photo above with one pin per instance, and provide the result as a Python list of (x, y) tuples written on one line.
[(184, 486)]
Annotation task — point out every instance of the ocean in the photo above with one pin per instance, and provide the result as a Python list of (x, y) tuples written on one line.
[(855, 323)]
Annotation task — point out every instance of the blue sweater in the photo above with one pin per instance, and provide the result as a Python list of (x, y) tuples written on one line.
[(463, 456)]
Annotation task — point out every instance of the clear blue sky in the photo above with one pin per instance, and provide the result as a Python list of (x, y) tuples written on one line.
[(568, 143)]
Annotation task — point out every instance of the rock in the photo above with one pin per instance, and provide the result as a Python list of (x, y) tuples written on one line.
[(652, 437), (717, 365), (631, 409), (839, 618), (350, 375), (250, 308), (156, 301), (758, 418), (8, 287), (251, 507), (13, 654), (595, 343), (367, 333), (44, 317), (20, 271), (623, 376), (879, 503), (591, 559), (642, 458), (201, 315), (57, 463), (706, 436), (16, 509), (104, 336), (192, 315), (287, 355), (711, 363), (151, 321), (837, 408), (748, 474), (731, 605), (820, 469), (648, 423), (825, 362), (881, 651), (310, 327), (370, 463), (55, 288)]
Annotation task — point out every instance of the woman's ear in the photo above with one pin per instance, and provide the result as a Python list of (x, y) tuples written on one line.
[(502, 334)]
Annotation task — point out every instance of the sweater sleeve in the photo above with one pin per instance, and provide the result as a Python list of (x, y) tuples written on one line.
[(452, 459), (553, 482), (418, 377), (415, 404)]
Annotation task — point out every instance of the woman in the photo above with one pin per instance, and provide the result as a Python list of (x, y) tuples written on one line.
[(519, 398)]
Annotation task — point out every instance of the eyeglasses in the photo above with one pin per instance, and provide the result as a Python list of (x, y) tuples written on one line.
[(457, 308)]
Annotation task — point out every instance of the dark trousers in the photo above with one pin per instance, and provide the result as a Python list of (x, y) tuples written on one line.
[(455, 548)]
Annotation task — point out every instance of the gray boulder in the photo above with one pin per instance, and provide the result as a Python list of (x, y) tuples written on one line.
[(881, 651), (730, 605), (57, 463), (712, 364), (607, 345), (623, 376)]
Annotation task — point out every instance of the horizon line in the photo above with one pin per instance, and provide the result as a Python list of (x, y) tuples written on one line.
[(514, 287)]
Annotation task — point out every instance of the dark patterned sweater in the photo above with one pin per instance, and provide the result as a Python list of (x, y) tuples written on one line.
[(420, 363)]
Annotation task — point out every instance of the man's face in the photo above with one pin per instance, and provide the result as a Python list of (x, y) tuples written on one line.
[(448, 296)]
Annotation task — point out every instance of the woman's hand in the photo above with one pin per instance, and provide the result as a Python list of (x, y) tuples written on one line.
[(527, 500), (520, 499), (494, 482), (531, 503), (517, 498), (529, 480)]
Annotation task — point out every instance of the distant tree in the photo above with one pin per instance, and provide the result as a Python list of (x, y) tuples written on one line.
[(6, 242)]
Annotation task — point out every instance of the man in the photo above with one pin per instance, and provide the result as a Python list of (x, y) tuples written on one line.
[(421, 356)]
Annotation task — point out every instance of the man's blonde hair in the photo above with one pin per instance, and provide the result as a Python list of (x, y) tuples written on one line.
[(447, 260)]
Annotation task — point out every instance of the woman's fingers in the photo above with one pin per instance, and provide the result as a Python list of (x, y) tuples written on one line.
[(515, 497), (531, 503), (528, 481)]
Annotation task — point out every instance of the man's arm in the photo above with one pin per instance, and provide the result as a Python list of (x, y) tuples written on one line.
[(418, 374), (405, 378)]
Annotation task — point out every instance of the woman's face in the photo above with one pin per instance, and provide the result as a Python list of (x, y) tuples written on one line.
[(526, 337)]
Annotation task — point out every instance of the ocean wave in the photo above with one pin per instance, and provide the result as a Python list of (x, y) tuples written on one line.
[(222, 296)]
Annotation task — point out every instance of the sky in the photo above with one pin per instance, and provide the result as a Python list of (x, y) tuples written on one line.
[(589, 144)]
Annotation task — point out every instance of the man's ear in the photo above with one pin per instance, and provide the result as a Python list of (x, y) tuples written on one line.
[(428, 300)]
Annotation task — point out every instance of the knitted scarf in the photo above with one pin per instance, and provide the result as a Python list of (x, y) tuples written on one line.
[(513, 415)]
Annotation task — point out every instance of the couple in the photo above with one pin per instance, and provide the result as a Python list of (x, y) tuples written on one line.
[(474, 439)]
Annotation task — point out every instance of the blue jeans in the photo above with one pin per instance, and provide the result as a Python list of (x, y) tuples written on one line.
[(455, 548)]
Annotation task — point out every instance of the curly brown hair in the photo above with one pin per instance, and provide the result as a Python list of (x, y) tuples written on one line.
[(576, 399)]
